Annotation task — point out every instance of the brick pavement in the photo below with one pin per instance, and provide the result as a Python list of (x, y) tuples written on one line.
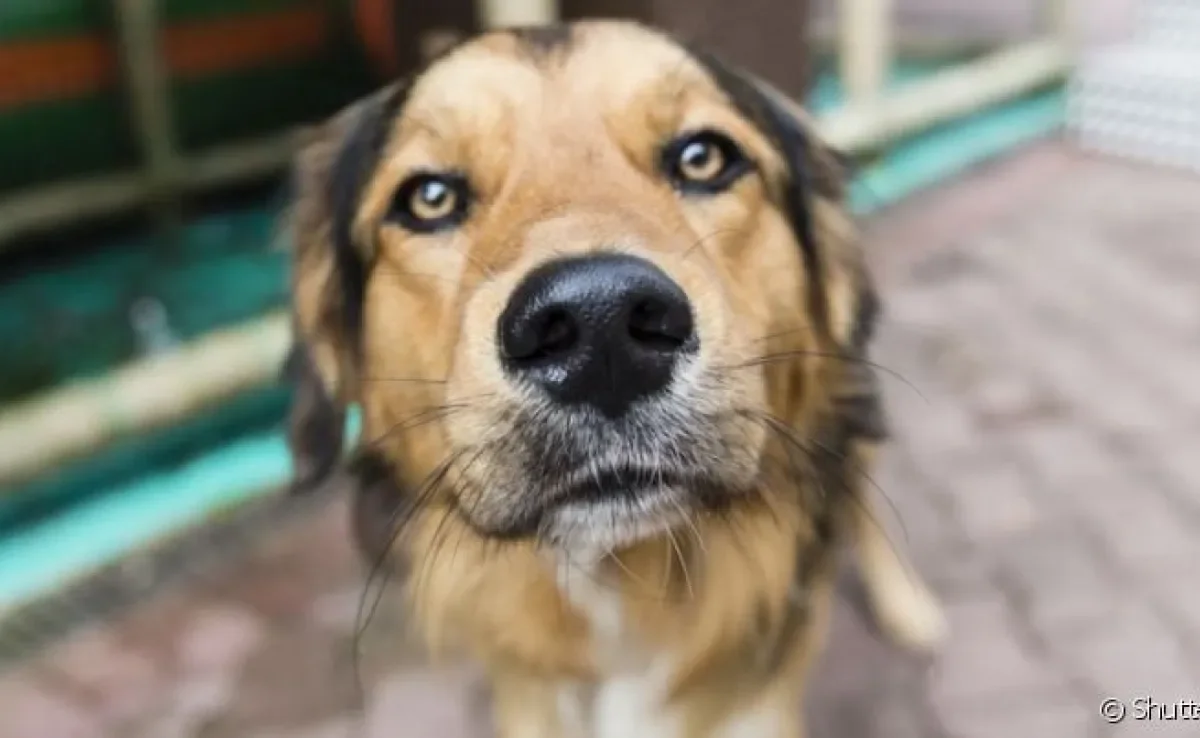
[(1044, 315)]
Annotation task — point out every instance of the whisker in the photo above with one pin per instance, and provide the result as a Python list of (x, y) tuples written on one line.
[(396, 525), (428, 416), (699, 242), (683, 564), (408, 380), (862, 471), (615, 557), (790, 435), (418, 419), (793, 443), (400, 520), (457, 491), (780, 356), (782, 334), (666, 575), (438, 539), (436, 542), (486, 269), (410, 273), (695, 530)]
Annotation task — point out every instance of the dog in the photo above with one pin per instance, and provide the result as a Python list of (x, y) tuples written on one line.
[(606, 316)]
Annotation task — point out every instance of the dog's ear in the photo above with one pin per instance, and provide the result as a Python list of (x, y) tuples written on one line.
[(316, 422), (329, 273), (842, 295)]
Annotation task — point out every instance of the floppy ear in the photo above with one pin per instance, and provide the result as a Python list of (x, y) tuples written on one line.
[(316, 422), (842, 296), (329, 273)]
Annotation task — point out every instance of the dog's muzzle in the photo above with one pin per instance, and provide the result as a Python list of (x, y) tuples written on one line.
[(615, 436)]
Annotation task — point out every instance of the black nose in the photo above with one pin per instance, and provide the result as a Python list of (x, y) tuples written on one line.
[(603, 330)]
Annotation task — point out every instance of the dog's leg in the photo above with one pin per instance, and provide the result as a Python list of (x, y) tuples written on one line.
[(776, 716), (764, 699), (528, 707), (906, 610)]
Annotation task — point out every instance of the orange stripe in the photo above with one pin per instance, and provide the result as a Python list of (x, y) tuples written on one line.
[(375, 21), (48, 70), (225, 44), (40, 71)]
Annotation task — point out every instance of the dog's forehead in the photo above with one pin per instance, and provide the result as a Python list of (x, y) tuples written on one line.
[(597, 67)]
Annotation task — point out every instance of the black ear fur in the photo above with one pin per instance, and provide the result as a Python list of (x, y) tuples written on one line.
[(814, 170), (355, 162), (328, 179), (316, 423), (379, 511)]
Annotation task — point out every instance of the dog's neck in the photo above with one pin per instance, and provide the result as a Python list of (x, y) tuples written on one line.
[(585, 613), (585, 583), (635, 598)]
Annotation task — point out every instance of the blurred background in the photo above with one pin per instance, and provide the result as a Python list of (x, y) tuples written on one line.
[(1027, 182)]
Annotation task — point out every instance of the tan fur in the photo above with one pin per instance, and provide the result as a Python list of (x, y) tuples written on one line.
[(907, 612), (561, 149)]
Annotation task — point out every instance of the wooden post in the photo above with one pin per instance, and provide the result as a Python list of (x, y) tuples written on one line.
[(502, 13), (1056, 16), (146, 80), (865, 53)]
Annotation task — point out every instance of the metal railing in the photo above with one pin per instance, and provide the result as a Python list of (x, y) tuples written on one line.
[(167, 175), (874, 115)]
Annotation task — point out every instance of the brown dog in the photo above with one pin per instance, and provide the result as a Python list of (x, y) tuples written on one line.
[(606, 316)]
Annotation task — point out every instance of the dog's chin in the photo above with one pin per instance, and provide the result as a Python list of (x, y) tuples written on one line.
[(605, 524), (602, 512)]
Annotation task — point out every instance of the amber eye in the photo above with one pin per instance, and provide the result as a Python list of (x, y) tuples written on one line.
[(425, 203), (704, 162), (701, 161)]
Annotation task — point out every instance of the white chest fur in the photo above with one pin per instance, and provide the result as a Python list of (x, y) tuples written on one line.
[(630, 700)]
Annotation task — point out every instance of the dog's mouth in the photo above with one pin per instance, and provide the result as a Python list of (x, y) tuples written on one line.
[(571, 476), (605, 503), (625, 483), (605, 508)]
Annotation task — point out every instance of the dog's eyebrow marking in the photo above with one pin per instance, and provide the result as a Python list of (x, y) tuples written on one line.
[(355, 163), (541, 41)]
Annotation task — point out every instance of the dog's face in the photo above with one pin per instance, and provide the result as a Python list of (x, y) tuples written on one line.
[(575, 277)]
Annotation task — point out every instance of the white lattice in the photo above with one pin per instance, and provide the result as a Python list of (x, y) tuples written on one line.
[(1142, 99), (1172, 22)]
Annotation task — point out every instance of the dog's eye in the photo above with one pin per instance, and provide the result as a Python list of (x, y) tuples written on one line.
[(704, 162), (425, 203)]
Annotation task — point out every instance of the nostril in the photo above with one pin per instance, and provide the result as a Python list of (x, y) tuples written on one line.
[(660, 324), (540, 336), (558, 333)]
